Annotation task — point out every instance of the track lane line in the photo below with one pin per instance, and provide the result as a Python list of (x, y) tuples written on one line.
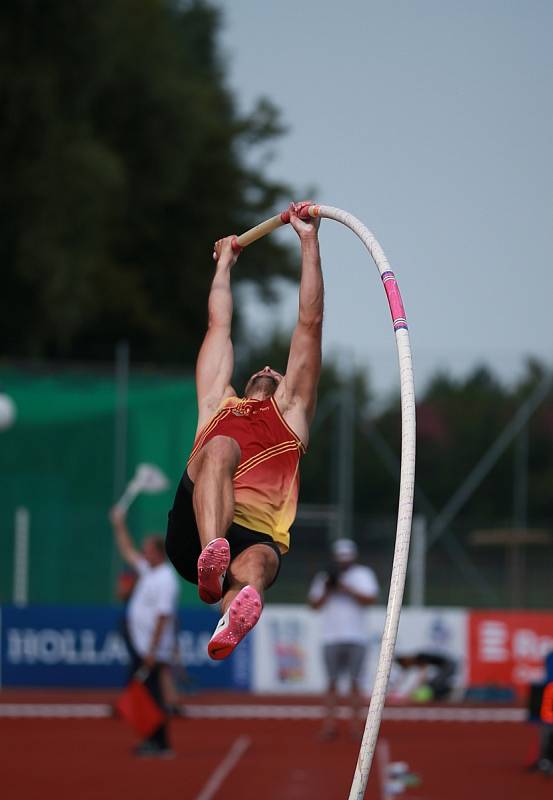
[(237, 750), (269, 711)]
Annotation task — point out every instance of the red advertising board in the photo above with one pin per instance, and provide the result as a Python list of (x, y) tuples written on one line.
[(508, 648)]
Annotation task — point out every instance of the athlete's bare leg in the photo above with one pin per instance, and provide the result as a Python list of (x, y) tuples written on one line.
[(211, 472), (256, 566), (250, 573)]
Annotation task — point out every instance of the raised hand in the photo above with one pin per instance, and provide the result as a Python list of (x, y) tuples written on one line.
[(305, 228), (226, 251)]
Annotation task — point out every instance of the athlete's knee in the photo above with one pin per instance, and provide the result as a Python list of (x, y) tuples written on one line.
[(220, 454), (258, 563), (262, 556)]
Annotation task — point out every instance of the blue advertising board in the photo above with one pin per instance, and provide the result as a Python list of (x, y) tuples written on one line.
[(83, 646)]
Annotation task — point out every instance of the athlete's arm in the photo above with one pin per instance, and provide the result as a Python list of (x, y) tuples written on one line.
[(298, 390), (127, 550), (216, 357)]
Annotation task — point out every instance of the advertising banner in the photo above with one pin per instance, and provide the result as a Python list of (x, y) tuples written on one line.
[(435, 631), (509, 648), (288, 644), (286, 651), (74, 646)]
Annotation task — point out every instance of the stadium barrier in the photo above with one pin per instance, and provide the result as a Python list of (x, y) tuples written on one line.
[(83, 646)]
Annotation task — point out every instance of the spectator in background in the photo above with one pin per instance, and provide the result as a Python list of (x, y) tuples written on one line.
[(126, 581), (151, 614), (341, 594)]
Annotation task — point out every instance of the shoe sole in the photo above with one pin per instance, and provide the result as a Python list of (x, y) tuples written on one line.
[(243, 614), (212, 566)]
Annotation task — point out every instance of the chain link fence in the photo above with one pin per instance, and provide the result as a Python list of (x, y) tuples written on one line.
[(505, 569)]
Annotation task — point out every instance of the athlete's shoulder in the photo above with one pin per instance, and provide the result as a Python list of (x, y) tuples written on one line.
[(211, 404), (230, 401)]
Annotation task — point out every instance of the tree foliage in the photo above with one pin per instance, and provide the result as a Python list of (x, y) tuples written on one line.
[(123, 157), (458, 420)]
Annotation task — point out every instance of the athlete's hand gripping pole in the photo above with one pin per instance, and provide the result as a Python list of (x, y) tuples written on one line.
[(305, 210)]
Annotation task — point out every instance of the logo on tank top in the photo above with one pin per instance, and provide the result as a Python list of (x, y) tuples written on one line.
[(244, 409), (242, 412)]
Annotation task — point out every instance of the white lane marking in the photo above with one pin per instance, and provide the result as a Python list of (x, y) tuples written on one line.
[(383, 762), (393, 713), (50, 710), (405, 714), (226, 766)]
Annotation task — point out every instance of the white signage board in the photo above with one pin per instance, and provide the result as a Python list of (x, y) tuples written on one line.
[(287, 646)]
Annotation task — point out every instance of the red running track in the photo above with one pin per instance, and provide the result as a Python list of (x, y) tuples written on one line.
[(255, 759)]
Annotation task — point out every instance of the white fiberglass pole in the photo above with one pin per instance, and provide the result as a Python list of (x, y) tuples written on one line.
[(407, 476), (406, 490)]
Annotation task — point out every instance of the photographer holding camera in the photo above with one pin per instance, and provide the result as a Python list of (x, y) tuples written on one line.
[(341, 593)]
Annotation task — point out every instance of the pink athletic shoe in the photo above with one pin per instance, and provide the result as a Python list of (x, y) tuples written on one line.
[(239, 619), (212, 566)]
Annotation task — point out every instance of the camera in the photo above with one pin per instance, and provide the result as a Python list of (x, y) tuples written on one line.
[(332, 576)]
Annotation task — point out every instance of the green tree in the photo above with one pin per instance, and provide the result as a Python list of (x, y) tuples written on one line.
[(123, 157), (459, 420)]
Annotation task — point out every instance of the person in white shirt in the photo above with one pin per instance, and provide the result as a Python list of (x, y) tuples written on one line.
[(151, 615), (341, 594)]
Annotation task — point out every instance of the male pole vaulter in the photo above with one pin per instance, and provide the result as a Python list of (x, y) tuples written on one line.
[(237, 498)]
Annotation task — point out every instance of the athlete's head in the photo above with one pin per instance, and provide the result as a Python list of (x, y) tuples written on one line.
[(153, 549), (264, 382)]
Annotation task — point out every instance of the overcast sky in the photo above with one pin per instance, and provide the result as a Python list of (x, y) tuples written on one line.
[(431, 121)]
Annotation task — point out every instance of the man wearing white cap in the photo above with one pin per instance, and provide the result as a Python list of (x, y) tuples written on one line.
[(342, 593)]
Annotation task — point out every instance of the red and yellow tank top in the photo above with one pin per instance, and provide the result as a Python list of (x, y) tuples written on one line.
[(266, 482)]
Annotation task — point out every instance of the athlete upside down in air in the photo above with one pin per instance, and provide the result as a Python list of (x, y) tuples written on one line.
[(237, 498)]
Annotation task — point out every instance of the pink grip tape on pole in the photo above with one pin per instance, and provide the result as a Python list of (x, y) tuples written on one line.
[(394, 300), (307, 211)]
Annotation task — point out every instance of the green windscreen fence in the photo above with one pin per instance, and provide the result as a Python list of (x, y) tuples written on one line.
[(60, 461)]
